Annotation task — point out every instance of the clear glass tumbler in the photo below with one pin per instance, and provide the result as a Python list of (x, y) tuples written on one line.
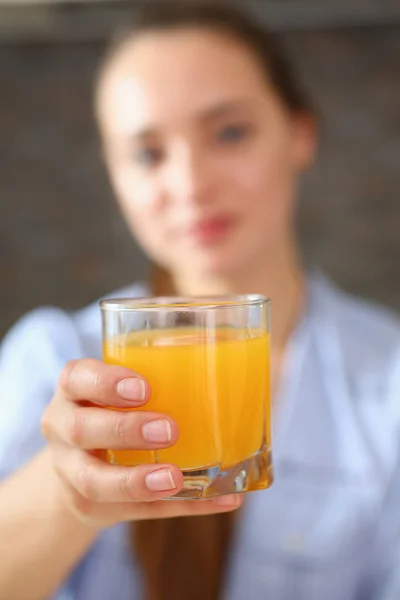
[(207, 361)]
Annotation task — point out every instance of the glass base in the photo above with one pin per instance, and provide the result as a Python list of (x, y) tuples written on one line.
[(254, 473)]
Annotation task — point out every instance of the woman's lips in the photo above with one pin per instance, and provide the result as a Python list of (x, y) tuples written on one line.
[(209, 231)]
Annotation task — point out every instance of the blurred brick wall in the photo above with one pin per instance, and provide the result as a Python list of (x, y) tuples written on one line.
[(62, 241)]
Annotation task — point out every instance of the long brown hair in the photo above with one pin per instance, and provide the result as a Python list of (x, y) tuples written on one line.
[(185, 558)]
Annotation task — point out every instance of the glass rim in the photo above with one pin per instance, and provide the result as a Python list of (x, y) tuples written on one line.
[(183, 303)]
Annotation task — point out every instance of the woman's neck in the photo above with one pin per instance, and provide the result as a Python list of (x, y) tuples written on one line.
[(281, 278)]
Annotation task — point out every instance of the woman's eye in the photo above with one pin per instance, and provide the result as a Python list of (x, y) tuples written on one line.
[(148, 157), (232, 134)]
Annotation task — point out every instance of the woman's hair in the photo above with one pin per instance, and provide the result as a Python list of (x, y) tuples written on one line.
[(185, 558)]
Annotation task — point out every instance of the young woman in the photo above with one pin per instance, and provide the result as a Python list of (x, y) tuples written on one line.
[(206, 133)]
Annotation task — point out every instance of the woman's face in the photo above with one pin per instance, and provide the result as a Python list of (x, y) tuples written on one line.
[(202, 153)]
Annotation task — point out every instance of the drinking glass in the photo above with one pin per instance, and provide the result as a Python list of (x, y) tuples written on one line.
[(208, 364)]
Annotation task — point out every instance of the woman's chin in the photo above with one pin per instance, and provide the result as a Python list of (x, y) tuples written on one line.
[(214, 266)]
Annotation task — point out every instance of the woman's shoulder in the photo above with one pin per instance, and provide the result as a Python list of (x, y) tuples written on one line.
[(363, 339), (364, 326), (361, 351), (45, 339), (66, 332)]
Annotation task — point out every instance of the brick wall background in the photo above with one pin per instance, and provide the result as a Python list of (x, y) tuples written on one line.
[(62, 241)]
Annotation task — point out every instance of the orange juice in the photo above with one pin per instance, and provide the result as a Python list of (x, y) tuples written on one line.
[(214, 384)]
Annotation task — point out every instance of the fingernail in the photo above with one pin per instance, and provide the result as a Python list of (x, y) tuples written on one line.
[(160, 481), (231, 501), (157, 431), (132, 388)]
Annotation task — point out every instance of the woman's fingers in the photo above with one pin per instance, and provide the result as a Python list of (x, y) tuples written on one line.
[(140, 511), (135, 509), (103, 384), (98, 482), (91, 428)]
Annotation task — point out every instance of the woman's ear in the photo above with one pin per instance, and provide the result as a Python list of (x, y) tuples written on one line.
[(305, 141)]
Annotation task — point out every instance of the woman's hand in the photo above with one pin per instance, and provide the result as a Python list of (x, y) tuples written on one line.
[(78, 425)]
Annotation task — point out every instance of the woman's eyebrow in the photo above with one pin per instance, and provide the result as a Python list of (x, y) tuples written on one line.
[(206, 115), (222, 109)]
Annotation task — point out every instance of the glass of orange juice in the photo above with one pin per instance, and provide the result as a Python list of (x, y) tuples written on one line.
[(208, 363)]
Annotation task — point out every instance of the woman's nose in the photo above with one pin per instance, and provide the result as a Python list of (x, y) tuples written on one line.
[(189, 178)]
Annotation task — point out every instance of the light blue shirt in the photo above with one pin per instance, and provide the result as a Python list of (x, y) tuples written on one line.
[(329, 527)]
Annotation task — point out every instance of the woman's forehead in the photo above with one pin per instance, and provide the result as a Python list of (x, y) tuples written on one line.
[(180, 74)]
